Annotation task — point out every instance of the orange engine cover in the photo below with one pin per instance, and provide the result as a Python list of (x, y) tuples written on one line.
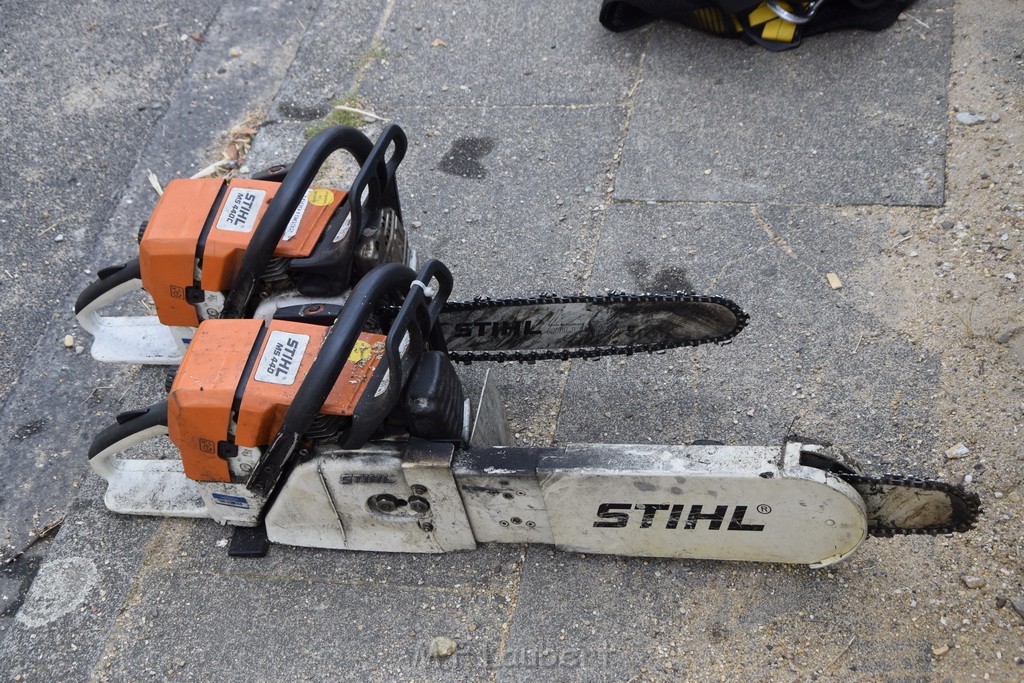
[(212, 389), (213, 222)]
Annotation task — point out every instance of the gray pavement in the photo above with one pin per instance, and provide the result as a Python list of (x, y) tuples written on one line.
[(546, 154), (864, 126)]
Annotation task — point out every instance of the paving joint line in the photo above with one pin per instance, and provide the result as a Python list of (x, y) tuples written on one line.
[(754, 202), (288, 578), (165, 540), (571, 106), (505, 632), (629, 103)]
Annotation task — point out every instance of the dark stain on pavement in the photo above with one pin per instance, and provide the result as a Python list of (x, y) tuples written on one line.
[(18, 576), (463, 159), (668, 279), (30, 429)]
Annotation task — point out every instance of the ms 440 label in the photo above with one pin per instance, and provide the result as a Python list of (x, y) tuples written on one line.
[(241, 207), (281, 357)]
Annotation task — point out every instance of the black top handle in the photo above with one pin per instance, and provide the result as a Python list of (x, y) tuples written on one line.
[(376, 178), (413, 328), (274, 222), (377, 288), (327, 271)]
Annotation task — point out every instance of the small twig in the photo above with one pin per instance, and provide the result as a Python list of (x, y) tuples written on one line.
[(789, 431), (93, 392), (908, 237), (159, 26), (214, 167), (857, 346), (918, 20), (52, 226), (45, 532), (837, 657), (368, 114)]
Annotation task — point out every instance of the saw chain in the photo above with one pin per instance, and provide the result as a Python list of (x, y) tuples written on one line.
[(884, 518), (533, 355)]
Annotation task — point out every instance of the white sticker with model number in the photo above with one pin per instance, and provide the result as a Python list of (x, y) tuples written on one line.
[(281, 358), (293, 224), (240, 209)]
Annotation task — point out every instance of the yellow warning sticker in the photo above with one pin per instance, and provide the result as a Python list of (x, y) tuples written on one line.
[(320, 197), (360, 352)]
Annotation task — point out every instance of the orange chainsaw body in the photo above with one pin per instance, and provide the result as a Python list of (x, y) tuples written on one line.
[(209, 223), (249, 371)]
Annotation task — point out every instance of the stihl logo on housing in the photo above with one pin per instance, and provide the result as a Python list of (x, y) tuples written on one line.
[(240, 209), (280, 361), (504, 328), (610, 516), (366, 479)]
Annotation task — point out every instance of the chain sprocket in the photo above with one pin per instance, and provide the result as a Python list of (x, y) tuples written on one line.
[(533, 355), (964, 505)]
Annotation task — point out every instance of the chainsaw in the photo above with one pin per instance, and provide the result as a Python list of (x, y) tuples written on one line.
[(276, 247), (354, 431), (240, 248)]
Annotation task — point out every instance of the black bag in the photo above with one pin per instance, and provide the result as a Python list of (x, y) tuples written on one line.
[(773, 24)]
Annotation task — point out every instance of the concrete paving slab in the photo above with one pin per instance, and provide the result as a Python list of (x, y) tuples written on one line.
[(811, 359), (82, 93), (334, 50), (849, 118), (77, 593), (471, 53), (594, 618), (197, 614), (506, 197), (46, 433)]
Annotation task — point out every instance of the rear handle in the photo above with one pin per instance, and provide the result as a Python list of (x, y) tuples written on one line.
[(107, 280), (131, 429)]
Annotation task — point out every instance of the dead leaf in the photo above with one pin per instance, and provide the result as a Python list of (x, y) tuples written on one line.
[(197, 36), (437, 42)]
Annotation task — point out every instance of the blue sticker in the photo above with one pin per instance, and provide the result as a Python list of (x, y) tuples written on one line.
[(230, 501)]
